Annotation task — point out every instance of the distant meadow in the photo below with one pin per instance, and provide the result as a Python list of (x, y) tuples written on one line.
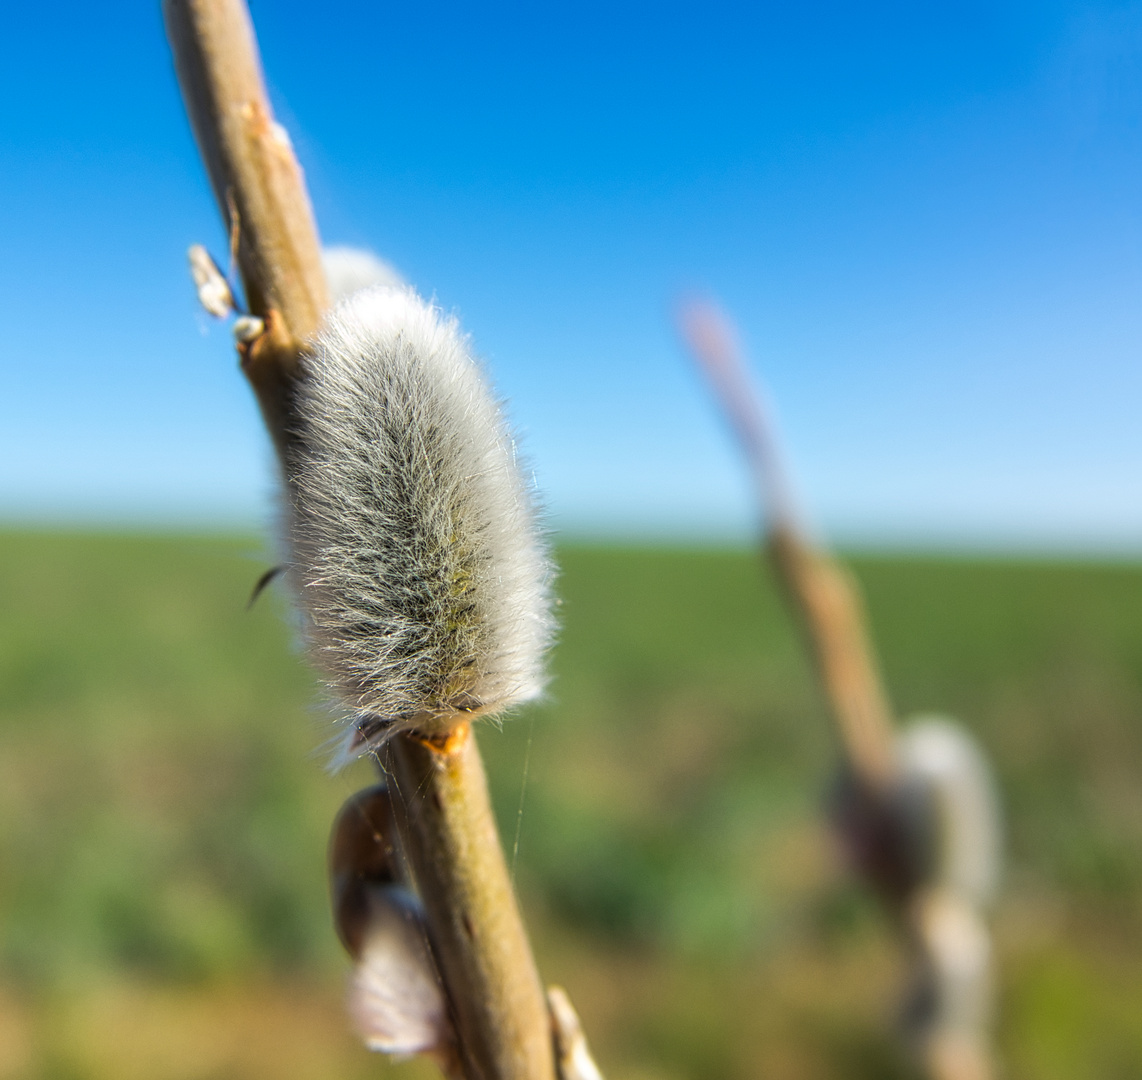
[(164, 804)]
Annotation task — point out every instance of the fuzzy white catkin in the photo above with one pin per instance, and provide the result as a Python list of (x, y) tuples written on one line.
[(947, 760), (349, 269), (424, 580)]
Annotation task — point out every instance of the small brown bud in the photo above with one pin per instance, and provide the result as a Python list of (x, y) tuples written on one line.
[(362, 853)]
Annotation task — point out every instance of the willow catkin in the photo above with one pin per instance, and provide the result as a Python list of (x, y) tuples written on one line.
[(942, 756), (424, 581), (349, 269)]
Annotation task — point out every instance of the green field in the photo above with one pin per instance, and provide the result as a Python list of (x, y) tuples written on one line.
[(164, 808)]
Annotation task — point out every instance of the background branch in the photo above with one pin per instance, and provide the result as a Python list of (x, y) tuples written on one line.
[(823, 595), (890, 832)]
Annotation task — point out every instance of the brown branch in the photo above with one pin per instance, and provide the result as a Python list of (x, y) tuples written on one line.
[(829, 607), (824, 597), (448, 830), (827, 603), (258, 185), (450, 836)]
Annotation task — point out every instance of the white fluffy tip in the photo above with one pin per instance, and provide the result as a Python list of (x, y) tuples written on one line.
[(350, 269)]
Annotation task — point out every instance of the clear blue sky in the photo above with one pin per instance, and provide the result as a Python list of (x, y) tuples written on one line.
[(927, 220)]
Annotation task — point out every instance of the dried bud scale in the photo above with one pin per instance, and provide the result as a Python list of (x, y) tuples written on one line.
[(247, 328), (363, 851), (395, 997), (423, 579), (572, 1054), (214, 292)]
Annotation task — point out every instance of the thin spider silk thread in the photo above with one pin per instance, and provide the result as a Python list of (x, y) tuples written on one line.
[(522, 794)]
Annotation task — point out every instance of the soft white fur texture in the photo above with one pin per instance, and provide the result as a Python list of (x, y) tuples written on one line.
[(415, 548), (350, 269)]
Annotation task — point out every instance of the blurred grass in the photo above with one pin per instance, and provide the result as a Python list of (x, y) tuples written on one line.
[(163, 812)]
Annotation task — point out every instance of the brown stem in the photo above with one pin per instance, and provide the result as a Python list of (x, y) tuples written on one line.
[(451, 842), (830, 611), (477, 933), (825, 600), (258, 185)]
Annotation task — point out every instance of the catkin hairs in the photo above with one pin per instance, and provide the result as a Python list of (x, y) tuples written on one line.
[(424, 581)]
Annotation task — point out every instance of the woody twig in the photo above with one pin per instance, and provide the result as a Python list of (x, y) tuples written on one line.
[(444, 815), (887, 819)]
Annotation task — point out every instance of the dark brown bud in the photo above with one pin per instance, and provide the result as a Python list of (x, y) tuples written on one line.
[(363, 854)]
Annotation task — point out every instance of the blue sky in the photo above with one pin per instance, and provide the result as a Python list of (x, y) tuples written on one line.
[(926, 219)]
